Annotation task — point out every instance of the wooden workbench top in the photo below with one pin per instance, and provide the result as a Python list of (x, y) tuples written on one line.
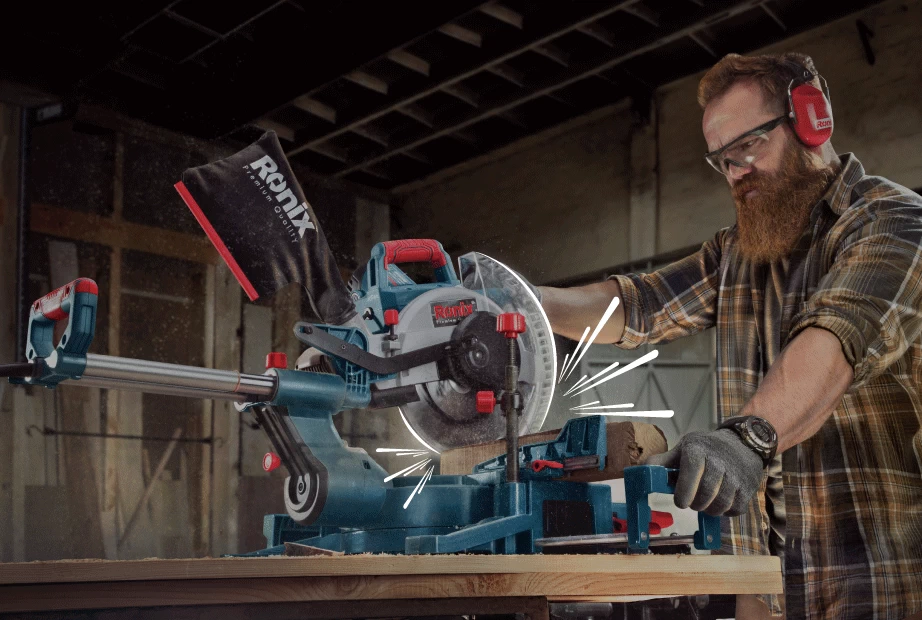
[(85, 584)]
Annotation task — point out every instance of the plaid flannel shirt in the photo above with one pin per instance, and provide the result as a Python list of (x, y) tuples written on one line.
[(852, 493)]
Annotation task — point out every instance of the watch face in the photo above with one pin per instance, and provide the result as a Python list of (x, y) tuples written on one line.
[(761, 432)]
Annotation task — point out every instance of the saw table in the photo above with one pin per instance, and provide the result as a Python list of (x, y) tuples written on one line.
[(367, 585)]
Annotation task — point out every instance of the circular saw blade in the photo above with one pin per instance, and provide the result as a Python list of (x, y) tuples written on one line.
[(446, 416)]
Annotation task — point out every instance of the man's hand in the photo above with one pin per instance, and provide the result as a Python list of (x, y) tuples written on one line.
[(718, 473)]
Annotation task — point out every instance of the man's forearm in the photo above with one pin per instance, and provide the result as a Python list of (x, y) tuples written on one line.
[(803, 386), (571, 310)]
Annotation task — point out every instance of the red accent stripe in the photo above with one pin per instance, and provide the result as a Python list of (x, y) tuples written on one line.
[(216, 241)]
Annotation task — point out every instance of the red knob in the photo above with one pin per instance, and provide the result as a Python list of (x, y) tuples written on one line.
[(276, 360), (271, 461), (391, 317), (486, 401), (511, 324)]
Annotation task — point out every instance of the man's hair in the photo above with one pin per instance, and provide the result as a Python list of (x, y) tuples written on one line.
[(772, 72)]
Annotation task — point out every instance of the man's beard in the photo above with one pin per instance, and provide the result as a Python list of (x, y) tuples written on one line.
[(770, 223)]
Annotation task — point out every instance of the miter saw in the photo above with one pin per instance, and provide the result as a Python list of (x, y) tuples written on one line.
[(448, 353)]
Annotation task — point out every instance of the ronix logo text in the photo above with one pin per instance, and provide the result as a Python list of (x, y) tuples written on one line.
[(451, 313), (288, 207)]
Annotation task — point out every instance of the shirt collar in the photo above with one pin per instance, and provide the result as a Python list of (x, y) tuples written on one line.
[(838, 196)]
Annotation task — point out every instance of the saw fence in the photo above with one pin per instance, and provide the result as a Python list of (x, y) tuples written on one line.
[(366, 585)]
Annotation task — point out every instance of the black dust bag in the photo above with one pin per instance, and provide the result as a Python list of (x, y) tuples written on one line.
[(255, 213)]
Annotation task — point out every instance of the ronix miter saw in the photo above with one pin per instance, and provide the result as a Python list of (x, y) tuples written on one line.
[(448, 353)]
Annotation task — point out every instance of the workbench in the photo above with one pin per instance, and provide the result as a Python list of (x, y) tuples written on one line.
[(366, 586)]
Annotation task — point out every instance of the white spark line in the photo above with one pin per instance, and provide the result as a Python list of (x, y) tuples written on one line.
[(595, 402), (397, 450), (576, 350), (579, 383), (412, 453), (563, 367), (585, 407), (419, 487), (608, 312), (414, 433), (406, 470), (641, 360), (595, 376), (668, 413), (418, 466)]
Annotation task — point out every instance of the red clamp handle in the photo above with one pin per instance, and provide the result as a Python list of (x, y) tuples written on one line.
[(52, 306), (414, 251), (391, 317), (276, 360), (659, 521), (539, 464), (511, 324), (486, 401)]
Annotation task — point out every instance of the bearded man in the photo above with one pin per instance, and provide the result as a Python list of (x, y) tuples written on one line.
[(816, 294)]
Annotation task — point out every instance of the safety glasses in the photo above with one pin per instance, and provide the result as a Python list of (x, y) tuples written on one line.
[(745, 150)]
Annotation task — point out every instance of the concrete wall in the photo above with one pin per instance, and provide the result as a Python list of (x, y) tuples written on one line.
[(545, 206), (558, 205)]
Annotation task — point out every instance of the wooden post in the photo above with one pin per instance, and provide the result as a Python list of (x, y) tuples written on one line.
[(110, 493), (226, 421), (202, 543), (12, 498)]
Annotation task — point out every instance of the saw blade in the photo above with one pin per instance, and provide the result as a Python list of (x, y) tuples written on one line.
[(446, 414)]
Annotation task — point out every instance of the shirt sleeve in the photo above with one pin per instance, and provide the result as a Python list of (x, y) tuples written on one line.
[(871, 298), (677, 300)]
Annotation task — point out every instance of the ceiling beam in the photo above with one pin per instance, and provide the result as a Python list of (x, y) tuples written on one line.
[(416, 156), (599, 33), (463, 93), (503, 14), (283, 131), (366, 80), (508, 73), (312, 106), (645, 13), (370, 133), (501, 50), (332, 152), (552, 52), (771, 13), (703, 42), (462, 34), (418, 114), (409, 61), (629, 47)]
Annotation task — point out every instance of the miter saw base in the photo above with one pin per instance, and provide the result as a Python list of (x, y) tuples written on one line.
[(482, 513)]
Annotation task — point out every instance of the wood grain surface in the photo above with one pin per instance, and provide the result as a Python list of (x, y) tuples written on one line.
[(629, 443)]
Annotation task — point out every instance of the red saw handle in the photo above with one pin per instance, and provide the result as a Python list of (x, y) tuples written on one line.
[(52, 305), (414, 251)]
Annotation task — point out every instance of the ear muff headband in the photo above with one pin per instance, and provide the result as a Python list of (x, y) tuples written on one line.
[(810, 110)]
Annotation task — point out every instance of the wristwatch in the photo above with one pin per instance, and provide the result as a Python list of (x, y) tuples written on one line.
[(757, 433)]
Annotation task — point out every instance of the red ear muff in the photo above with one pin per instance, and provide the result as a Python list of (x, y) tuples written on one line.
[(811, 114)]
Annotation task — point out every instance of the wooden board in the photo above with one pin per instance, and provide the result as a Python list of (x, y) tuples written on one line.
[(628, 444), (70, 585)]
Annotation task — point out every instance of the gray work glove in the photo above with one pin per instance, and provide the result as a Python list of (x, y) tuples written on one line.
[(718, 473)]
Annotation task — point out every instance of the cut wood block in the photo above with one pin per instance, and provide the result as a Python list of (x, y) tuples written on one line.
[(629, 443)]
